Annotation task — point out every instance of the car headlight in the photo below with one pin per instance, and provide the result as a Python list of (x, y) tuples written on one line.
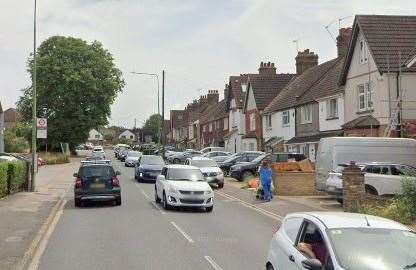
[(208, 192), (141, 174), (172, 190)]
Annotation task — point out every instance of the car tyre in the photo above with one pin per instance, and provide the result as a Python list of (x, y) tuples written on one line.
[(209, 209), (166, 206), (269, 266), (341, 201), (118, 201), (371, 190), (157, 199), (78, 203), (176, 161), (220, 185), (246, 176)]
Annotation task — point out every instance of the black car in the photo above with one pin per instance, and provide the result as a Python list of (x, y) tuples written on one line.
[(246, 170), (246, 156), (96, 181), (148, 168)]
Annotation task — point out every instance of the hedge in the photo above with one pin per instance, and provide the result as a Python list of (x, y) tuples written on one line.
[(13, 177)]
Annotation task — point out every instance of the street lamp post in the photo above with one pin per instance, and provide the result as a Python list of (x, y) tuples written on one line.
[(158, 95), (34, 128)]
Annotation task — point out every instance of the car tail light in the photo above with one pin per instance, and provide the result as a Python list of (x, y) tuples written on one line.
[(78, 183), (115, 182)]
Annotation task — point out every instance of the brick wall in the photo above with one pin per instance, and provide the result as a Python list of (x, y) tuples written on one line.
[(216, 135), (353, 187), (295, 183), (258, 132)]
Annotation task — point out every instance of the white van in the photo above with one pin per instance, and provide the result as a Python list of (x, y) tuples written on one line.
[(338, 150)]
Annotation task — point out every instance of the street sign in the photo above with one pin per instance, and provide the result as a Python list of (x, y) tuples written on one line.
[(42, 134), (42, 123)]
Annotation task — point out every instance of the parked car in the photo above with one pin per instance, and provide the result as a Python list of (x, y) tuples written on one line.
[(98, 155), (123, 154), (246, 156), (96, 181), (120, 148), (338, 150), (148, 168), (217, 154), (210, 170), (131, 158), (380, 178), (212, 148), (180, 158), (246, 170), (183, 185), (341, 241)]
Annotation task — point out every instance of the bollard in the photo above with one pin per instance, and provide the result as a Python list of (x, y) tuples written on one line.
[(353, 187)]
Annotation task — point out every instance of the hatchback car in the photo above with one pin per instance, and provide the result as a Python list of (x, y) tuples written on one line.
[(96, 181), (179, 158), (210, 170), (246, 156), (183, 185), (131, 158), (341, 241), (148, 168)]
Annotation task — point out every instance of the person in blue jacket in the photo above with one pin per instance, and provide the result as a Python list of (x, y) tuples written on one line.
[(266, 180)]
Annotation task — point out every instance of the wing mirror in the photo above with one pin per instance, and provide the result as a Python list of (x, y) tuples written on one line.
[(312, 264), (75, 174), (118, 173)]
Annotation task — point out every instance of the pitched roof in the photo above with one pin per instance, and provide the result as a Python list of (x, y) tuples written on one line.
[(236, 91), (299, 86), (390, 39), (362, 122), (214, 112), (266, 87)]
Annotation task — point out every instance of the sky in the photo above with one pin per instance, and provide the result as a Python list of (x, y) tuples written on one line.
[(199, 43)]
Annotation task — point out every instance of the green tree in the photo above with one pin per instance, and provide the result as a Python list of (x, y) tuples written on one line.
[(76, 84), (154, 124), (17, 138)]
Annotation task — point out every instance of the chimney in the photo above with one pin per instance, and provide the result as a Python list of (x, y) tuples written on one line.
[(305, 60), (343, 40), (213, 96), (267, 69)]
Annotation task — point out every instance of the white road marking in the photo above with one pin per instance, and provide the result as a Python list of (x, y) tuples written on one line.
[(212, 263), (251, 206), (145, 194), (187, 237), (158, 208), (34, 264)]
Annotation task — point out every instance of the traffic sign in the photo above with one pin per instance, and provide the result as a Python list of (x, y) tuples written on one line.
[(42, 134), (42, 123)]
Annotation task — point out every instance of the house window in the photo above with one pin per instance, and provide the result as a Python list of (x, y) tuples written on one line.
[(332, 108), (306, 114), (131, 136), (269, 121), (210, 127), (365, 97), (180, 117), (285, 118), (252, 121), (97, 136), (363, 52), (225, 123)]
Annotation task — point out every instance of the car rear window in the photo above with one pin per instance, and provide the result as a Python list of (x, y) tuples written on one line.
[(87, 172)]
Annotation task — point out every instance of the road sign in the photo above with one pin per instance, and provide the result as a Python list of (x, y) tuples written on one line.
[(42, 123), (42, 134)]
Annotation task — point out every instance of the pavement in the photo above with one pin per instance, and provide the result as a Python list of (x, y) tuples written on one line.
[(23, 214), (139, 234)]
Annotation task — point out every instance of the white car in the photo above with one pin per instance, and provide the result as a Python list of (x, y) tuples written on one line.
[(341, 241), (98, 148), (210, 170), (183, 185), (132, 158), (380, 178)]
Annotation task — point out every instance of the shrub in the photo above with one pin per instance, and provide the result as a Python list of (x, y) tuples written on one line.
[(17, 175), (3, 179), (55, 158)]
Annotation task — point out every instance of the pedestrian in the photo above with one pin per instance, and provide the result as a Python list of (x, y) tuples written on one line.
[(266, 180)]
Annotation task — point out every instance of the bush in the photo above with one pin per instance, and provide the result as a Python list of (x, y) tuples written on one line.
[(16, 138), (3, 179), (55, 158), (17, 175)]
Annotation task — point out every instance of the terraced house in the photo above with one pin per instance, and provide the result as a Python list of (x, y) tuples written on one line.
[(214, 125)]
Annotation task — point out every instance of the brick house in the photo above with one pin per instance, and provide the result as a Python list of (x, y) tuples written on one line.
[(10, 117), (379, 77), (178, 127), (214, 125), (261, 89)]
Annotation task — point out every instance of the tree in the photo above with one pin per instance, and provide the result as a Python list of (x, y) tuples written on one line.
[(154, 124), (17, 138), (76, 84)]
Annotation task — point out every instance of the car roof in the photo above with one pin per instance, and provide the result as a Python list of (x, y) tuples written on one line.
[(200, 158), (333, 220), (179, 166)]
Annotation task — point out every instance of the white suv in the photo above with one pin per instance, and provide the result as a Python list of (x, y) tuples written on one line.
[(182, 185)]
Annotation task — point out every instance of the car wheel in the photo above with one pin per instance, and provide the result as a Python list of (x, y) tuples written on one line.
[(220, 185), (371, 190), (341, 201), (78, 203), (246, 176), (209, 209), (118, 201), (176, 161), (269, 266), (166, 206), (157, 199)]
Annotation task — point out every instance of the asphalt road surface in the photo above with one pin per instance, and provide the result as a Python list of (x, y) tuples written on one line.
[(140, 235)]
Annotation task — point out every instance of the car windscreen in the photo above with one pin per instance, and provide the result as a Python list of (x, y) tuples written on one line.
[(179, 174), (133, 154), (152, 160), (233, 158), (259, 158), (204, 163), (92, 172), (374, 249)]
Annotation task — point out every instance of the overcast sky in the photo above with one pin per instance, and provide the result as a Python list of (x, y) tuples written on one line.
[(199, 43)]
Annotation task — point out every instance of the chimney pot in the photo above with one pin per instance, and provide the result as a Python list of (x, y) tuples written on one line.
[(343, 40), (267, 68), (305, 60)]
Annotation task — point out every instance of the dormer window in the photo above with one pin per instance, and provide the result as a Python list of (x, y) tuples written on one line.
[(363, 52)]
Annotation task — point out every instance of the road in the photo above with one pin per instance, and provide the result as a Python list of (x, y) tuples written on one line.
[(140, 235)]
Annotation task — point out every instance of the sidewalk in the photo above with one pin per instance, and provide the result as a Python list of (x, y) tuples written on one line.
[(280, 205), (23, 214)]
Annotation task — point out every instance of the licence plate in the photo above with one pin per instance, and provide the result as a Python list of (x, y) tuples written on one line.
[(97, 185)]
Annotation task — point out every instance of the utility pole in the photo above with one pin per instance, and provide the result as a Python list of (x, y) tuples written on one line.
[(32, 185), (163, 107)]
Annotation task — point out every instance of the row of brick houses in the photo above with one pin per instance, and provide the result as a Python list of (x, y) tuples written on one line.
[(368, 89)]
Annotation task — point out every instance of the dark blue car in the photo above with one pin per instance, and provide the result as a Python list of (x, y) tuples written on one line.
[(148, 168)]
